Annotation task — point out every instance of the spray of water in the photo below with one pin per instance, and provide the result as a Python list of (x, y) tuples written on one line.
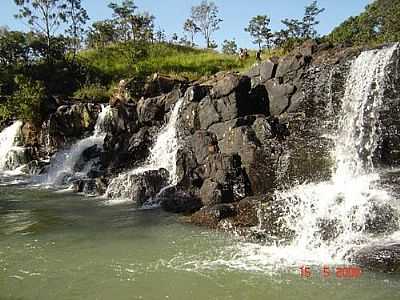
[(63, 165), (324, 222), (8, 142), (162, 155)]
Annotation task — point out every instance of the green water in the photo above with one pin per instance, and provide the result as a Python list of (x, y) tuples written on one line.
[(63, 246)]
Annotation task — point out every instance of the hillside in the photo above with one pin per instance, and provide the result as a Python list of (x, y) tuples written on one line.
[(178, 61)]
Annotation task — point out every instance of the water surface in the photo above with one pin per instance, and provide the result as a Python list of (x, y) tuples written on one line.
[(60, 246)]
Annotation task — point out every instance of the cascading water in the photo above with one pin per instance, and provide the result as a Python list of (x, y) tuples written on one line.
[(8, 142), (64, 163), (324, 223), (162, 155)]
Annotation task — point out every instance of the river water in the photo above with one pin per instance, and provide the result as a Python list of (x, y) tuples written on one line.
[(57, 245)]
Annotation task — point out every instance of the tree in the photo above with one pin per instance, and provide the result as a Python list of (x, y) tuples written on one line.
[(206, 17), (229, 47), (77, 17), (379, 23), (191, 28), (124, 15), (101, 34), (160, 35), (44, 16), (174, 38), (310, 20), (132, 25), (259, 29)]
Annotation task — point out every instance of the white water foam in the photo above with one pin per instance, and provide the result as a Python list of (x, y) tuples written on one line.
[(162, 155), (341, 206), (8, 142), (64, 163)]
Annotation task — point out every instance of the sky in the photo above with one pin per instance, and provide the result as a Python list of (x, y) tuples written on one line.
[(171, 14)]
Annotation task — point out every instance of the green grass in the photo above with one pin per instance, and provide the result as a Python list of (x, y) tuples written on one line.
[(166, 59)]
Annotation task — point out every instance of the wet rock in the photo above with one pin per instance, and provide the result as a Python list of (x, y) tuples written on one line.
[(35, 167), (17, 157), (382, 218), (139, 187), (203, 144), (196, 93), (176, 201), (279, 96), (211, 193), (228, 172), (380, 258), (211, 216), (151, 110)]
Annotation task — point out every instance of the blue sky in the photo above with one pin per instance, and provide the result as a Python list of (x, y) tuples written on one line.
[(170, 14)]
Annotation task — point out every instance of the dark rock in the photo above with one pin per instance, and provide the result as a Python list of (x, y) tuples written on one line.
[(211, 216), (173, 200), (279, 96), (211, 193), (157, 85), (139, 187), (208, 114), (203, 144), (223, 85), (382, 218), (196, 93), (262, 72), (381, 258), (247, 212), (151, 110), (35, 167), (228, 172)]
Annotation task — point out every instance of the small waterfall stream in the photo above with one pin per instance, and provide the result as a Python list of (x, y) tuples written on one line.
[(8, 143), (162, 155), (325, 222), (63, 165)]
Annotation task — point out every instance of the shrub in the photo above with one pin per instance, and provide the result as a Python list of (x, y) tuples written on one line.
[(93, 93), (25, 103)]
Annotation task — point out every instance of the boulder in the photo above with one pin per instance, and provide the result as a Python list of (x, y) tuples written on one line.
[(211, 216), (279, 96), (262, 72), (379, 258), (138, 187), (176, 201)]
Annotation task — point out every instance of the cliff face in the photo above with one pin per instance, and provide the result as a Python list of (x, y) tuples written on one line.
[(241, 136)]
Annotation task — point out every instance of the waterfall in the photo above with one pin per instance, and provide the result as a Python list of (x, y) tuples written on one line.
[(324, 222), (64, 163), (8, 143), (162, 155)]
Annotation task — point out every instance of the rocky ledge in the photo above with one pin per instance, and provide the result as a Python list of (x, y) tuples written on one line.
[(242, 137)]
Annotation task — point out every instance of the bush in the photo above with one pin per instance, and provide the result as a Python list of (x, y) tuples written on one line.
[(25, 103), (93, 93)]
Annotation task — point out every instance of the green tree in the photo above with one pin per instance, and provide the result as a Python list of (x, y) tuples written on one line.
[(206, 17), (44, 17), (77, 17), (123, 16), (191, 28), (259, 30), (379, 23), (310, 20), (101, 34), (229, 47)]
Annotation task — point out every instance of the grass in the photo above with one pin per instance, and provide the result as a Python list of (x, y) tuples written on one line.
[(166, 59)]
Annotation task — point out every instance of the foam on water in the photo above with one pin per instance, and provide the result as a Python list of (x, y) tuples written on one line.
[(328, 219)]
